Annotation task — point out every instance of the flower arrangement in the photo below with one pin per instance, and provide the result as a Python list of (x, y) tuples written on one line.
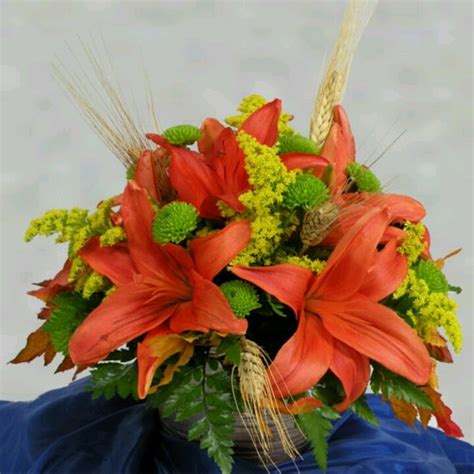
[(248, 269)]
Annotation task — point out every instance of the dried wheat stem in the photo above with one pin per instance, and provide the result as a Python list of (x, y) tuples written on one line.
[(334, 81), (91, 85), (260, 403)]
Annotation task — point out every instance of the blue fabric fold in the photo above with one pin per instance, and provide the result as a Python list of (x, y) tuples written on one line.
[(65, 431)]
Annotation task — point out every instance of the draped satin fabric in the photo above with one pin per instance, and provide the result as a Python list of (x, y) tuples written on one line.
[(65, 431)]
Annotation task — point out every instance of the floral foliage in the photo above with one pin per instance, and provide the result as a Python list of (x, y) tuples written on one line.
[(250, 231)]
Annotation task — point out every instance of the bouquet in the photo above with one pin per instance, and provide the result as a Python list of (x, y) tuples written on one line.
[(247, 270)]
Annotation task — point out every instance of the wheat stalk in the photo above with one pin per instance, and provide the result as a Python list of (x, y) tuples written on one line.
[(90, 83), (334, 81), (260, 404)]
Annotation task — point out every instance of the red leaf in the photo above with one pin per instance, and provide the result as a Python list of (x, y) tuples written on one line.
[(443, 413), (50, 288)]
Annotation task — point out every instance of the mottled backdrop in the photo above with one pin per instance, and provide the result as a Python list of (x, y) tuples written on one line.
[(413, 71)]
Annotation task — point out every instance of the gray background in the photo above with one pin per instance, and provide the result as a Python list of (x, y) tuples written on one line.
[(413, 70)]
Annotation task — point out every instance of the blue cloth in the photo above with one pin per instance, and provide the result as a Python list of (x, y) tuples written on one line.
[(64, 431)]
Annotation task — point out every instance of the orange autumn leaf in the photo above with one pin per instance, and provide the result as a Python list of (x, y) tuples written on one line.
[(437, 346), (79, 369), (425, 415), (442, 413), (404, 411), (157, 347), (433, 380), (186, 354), (49, 354), (36, 344), (66, 364)]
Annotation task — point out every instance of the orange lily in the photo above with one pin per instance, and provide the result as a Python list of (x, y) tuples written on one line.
[(341, 325), (339, 148), (203, 181), (218, 172), (355, 205), (156, 284)]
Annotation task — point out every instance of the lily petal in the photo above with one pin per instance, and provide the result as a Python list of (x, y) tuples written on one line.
[(124, 315), (388, 272), (113, 262), (353, 370), (302, 405), (210, 131), (211, 254), (378, 333), (192, 177), (296, 160), (286, 282), (232, 201), (228, 161), (209, 310), (145, 175), (351, 259), (303, 359), (402, 208), (339, 147), (263, 123), (356, 205), (148, 257)]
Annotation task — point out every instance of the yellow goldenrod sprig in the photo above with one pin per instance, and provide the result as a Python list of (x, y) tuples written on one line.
[(269, 179), (430, 310), (252, 103), (76, 226), (413, 243)]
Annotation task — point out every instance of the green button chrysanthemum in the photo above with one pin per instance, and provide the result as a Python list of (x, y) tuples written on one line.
[(242, 297), (365, 180), (306, 192), (432, 275), (131, 170), (182, 135), (295, 142), (174, 222)]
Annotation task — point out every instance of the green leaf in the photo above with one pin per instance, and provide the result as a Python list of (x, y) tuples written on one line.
[(190, 410), (401, 306), (277, 307), (393, 386), (209, 396), (428, 271), (455, 289), (122, 355), (213, 364), (230, 346), (71, 309), (329, 413), (316, 428), (197, 430), (362, 409), (111, 378)]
